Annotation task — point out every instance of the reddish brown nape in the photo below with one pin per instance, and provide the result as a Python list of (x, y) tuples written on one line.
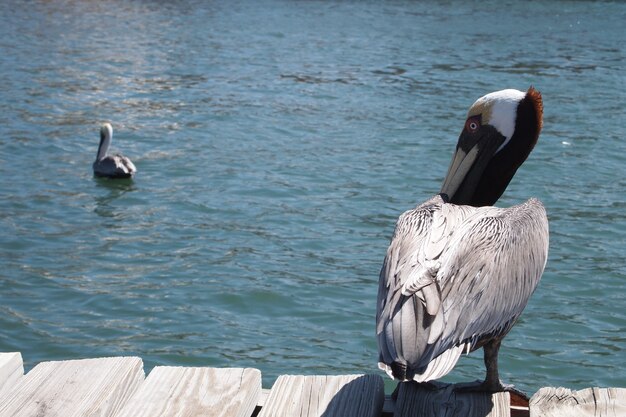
[(535, 97)]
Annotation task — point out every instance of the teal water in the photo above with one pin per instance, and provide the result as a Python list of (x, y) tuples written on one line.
[(277, 142)]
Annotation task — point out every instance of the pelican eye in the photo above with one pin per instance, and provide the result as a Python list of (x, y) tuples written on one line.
[(472, 124)]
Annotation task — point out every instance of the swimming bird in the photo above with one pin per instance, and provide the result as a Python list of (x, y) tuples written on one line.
[(111, 166), (458, 272)]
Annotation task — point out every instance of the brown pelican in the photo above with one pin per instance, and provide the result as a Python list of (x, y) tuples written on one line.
[(111, 166), (458, 272)]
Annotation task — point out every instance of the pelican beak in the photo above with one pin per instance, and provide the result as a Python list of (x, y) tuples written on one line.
[(472, 155)]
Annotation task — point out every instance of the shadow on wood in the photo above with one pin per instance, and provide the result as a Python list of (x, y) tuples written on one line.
[(442, 401), (361, 397), (325, 395)]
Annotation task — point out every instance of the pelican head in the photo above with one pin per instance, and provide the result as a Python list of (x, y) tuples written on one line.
[(106, 133), (500, 131)]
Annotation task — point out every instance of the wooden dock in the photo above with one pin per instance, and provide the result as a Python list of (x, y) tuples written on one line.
[(118, 387)]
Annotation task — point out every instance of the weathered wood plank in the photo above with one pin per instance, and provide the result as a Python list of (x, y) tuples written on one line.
[(323, 395), (180, 391), (415, 400), (11, 370), (561, 402), (86, 387)]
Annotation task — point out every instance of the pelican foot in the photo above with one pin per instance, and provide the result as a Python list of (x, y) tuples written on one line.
[(484, 386)]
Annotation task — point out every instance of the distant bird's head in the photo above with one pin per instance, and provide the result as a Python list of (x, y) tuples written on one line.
[(106, 131), (500, 131)]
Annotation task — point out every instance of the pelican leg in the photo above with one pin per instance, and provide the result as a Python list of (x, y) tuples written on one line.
[(492, 381)]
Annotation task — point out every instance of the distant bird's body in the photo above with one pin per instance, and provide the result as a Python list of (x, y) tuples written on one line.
[(111, 166), (458, 272)]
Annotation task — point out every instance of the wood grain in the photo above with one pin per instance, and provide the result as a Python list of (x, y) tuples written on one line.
[(87, 387), (188, 391), (588, 402), (322, 395), (11, 370)]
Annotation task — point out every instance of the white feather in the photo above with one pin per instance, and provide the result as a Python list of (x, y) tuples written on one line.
[(503, 114)]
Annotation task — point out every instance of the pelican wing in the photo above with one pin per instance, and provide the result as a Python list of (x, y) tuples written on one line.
[(114, 166), (128, 164), (398, 314), (464, 276)]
